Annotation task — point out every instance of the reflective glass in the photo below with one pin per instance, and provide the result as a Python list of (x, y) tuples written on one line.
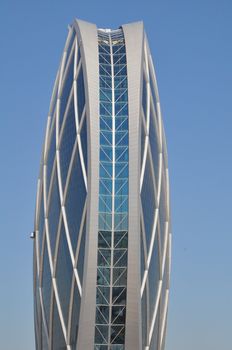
[(54, 213), (113, 155), (46, 284), (67, 142), (80, 93), (50, 157), (81, 254), (84, 142), (66, 89), (155, 150), (64, 273), (75, 200), (154, 277), (75, 318), (148, 201), (58, 336)]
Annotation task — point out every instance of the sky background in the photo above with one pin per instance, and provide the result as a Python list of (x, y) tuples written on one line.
[(192, 50)]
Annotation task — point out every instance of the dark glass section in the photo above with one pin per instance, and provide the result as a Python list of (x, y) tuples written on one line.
[(155, 336), (75, 317), (144, 98), (81, 254), (54, 212), (153, 94), (163, 208), (50, 156), (143, 135), (67, 142), (80, 93), (64, 273), (46, 284), (154, 276), (66, 88), (144, 318), (155, 150), (75, 200), (44, 338), (113, 210), (148, 201), (142, 256), (84, 142), (58, 336)]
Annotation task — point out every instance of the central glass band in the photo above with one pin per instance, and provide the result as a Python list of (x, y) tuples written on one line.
[(113, 193)]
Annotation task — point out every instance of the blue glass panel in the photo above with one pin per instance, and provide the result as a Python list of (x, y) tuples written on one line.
[(121, 123), (119, 49), (104, 48), (105, 204), (106, 153), (144, 97), (105, 186), (81, 255), (154, 147), (105, 221), (75, 318), (121, 186), (54, 213), (106, 109), (58, 341), (80, 93), (105, 170), (120, 82), (66, 89), (105, 82), (104, 58), (121, 170), (50, 157), (44, 338), (105, 123), (155, 335), (106, 138), (154, 276), (64, 273), (84, 142), (46, 284), (153, 92), (148, 201), (67, 142), (121, 109), (142, 257), (142, 141), (75, 200), (144, 318)]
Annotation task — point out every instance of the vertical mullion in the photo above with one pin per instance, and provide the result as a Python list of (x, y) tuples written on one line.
[(113, 189)]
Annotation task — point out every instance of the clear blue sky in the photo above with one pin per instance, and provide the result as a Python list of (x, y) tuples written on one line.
[(192, 49)]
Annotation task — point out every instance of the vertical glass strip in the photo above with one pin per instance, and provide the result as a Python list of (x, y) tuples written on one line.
[(113, 193)]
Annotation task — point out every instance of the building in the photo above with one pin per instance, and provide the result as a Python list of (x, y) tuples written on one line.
[(102, 224)]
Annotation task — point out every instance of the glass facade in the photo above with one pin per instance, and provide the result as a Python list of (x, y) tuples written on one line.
[(102, 266), (113, 193), (62, 195)]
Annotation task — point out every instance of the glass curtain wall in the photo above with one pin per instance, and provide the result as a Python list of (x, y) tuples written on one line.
[(113, 193)]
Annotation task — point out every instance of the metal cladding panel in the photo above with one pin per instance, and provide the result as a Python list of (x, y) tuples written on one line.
[(88, 33), (134, 43)]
